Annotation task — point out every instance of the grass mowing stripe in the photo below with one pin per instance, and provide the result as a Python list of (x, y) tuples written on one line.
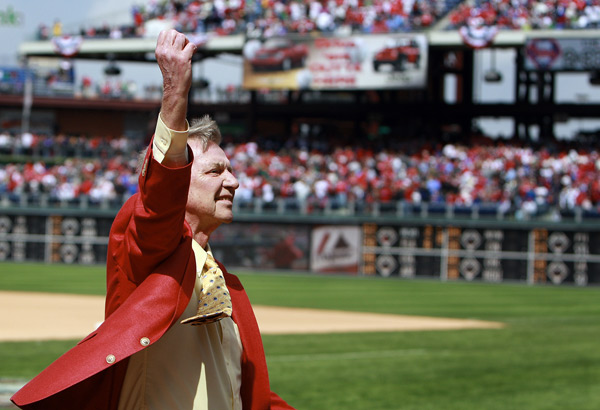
[(54, 278), (317, 357)]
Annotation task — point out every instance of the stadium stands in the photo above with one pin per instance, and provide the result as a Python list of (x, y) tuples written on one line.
[(496, 179), (493, 178), (528, 15), (280, 17)]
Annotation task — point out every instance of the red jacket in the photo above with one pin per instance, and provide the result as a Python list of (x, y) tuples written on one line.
[(151, 272)]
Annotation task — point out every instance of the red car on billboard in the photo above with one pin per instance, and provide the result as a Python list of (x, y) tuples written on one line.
[(398, 54), (278, 54)]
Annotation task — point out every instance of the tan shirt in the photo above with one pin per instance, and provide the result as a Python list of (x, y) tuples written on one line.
[(190, 367)]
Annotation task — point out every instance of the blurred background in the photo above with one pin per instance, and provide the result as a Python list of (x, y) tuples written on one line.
[(441, 138)]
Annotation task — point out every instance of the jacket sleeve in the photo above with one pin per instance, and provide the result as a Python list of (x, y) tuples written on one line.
[(154, 226), (277, 403)]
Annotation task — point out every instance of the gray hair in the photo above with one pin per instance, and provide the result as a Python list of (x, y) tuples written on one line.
[(203, 129)]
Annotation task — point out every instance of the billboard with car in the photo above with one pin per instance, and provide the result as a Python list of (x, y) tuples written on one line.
[(376, 61)]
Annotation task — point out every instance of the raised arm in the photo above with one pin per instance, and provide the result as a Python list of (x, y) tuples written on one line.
[(174, 56), (151, 226)]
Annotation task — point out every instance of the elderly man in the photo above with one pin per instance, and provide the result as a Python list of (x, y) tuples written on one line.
[(179, 332)]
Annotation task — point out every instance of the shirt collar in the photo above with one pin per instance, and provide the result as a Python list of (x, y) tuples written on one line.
[(200, 254)]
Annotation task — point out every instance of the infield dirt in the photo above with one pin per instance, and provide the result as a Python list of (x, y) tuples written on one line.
[(45, 316)]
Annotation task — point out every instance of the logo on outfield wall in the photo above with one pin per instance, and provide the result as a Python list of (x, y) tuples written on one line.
[(335, 249)]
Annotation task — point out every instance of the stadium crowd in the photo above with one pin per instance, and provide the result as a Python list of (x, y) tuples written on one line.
[(527, 15), (279, 17), (511, 177), (69, 167), (271, 17)]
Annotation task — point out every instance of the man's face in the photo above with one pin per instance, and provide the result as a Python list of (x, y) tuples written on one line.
[(212, 188)]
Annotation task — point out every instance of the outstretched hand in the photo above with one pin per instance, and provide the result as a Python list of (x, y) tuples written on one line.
[(174, 56)]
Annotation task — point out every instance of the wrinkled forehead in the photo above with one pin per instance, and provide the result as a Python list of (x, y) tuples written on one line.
[(213, 154)]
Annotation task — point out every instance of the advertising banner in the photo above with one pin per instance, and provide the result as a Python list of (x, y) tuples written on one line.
[(335, 249), (377, 61), (486, 254), (556, 255), (562, 54)]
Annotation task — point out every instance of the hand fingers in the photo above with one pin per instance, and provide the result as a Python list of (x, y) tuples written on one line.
[(176, 41), (168, 38), (179, 40), (190, 48)]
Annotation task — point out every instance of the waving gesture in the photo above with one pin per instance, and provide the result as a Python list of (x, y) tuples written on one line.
[(174, 56)]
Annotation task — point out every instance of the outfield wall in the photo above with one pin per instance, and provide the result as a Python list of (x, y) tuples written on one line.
[(448, 249)]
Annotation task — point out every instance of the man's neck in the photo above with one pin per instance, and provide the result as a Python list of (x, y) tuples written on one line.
[(200, 235), (202, 240)]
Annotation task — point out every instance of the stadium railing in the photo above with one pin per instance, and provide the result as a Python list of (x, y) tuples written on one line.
[(324, 207)]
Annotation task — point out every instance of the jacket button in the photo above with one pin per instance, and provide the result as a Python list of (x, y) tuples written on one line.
[(110, 359), (144, 341)]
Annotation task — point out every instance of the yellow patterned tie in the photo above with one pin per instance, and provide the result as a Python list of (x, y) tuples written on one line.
[(214, 302)]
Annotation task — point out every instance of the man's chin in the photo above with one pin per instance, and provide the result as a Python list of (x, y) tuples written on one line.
[(225, 219)]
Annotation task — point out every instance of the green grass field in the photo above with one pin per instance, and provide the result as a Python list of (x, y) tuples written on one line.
[(547, 357)]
